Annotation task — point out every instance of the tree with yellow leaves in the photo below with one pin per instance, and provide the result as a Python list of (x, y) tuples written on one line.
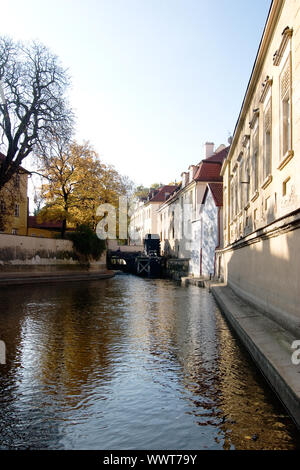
[(77, 182)]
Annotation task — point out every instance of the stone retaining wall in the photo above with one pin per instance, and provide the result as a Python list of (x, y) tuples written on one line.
[(22, 253), (177, 268)]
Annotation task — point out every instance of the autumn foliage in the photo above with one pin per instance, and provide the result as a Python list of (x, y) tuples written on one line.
[(76, 183)]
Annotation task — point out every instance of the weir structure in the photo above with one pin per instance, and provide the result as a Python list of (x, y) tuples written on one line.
[(141, 260)]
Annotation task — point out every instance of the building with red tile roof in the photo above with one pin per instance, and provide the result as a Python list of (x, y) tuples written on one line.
[(179, 217), (33, 223), (47, 229), (208, 171), (161, 194), (143, 220), (211, 228), (3, 157), (217, 193)]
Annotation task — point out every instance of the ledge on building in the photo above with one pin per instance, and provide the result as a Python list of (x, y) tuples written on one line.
[(268, 344), (268, 180), (288, 156), (287, 33), (255, 196)]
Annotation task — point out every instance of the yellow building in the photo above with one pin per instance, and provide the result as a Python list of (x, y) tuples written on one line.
[(261, 174), (45, 229), (15, 209)]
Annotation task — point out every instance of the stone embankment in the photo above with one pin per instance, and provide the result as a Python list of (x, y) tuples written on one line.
[(21, 278), (27, 260), (269, 344)]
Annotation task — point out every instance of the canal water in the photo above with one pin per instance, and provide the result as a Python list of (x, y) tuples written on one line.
[(129, 363)]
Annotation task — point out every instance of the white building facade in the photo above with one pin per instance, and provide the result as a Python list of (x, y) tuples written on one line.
[(180, 217), (143, 214), (262, 176)]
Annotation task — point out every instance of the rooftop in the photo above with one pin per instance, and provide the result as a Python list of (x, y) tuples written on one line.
[(210, 168), (49, 225), (3, 157), (217, 192), (161, 194)]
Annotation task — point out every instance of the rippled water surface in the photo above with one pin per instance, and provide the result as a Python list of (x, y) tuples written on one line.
[(129, 363)]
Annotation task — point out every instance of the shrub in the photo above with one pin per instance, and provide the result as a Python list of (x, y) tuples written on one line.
[(87, 243)]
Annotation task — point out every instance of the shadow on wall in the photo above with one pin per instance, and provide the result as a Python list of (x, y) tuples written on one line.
[(266, 273), (167, 250), (178, 249)]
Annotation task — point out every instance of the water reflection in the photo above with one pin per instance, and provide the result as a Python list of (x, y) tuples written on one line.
[(129, 363)]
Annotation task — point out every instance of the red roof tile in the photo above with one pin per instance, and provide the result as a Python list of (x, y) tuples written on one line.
[(208, 171), (210, 168), (219, 157), (3, 157), (217, 193), (163, 193), (33, 223)]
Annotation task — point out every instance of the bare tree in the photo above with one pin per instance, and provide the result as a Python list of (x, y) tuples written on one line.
[(33, 105)]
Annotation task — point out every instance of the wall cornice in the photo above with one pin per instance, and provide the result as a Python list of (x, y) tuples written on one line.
[(280, 226)]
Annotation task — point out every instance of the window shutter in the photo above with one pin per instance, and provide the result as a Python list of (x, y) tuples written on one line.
[(268, 119), (285, 81)]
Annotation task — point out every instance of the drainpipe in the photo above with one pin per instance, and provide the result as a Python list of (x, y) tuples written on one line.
[(228, 202), (201, 261), (219, 238), (27, 218)]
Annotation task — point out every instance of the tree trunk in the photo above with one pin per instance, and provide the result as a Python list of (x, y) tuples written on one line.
[(2, 222), (63, 228)]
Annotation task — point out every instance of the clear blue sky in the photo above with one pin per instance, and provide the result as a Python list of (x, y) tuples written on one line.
[(153, 80)]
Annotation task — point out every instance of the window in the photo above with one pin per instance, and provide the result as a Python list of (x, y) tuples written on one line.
[(241, 196), (231, 200), (286, 186), (2, 207), (14, 231), (255, 168), (194, 203), (236, 196), (285, 112), (247, 180), (17, 210), (267, 141), (247, 218), (246, 176), (267, 203)]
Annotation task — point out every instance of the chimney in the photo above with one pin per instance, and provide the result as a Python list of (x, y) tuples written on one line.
[(185, 178), (192, 171), (209, 149)]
